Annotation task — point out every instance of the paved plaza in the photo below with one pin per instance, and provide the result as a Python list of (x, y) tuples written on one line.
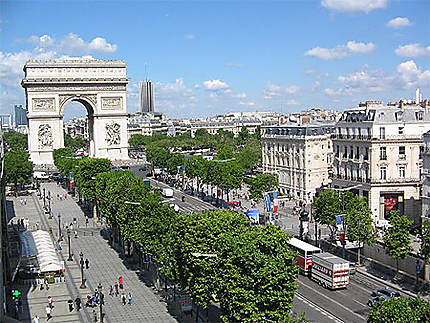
[(105, 267)]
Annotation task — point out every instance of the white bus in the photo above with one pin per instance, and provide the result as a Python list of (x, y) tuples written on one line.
[(305, 252)]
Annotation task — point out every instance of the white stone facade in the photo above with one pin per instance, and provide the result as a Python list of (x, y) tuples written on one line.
[(300, 155), (425, 197), (378, 150), (99, 85)]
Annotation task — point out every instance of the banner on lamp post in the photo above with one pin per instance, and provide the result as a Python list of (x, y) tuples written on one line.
[(275, 202), (267, 202)]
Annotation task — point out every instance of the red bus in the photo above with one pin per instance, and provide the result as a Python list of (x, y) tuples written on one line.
[(305, 252)]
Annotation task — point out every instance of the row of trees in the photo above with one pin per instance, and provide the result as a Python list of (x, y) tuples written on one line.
[(249, 270), (17, 166)]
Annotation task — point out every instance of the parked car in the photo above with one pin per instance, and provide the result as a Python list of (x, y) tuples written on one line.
[(386, 292), (375, 300), (125, 167)]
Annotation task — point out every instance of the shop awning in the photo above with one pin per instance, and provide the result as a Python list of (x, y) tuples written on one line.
[(46, 254)]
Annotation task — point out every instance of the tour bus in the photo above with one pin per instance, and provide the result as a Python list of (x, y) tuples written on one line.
[(305, 252)]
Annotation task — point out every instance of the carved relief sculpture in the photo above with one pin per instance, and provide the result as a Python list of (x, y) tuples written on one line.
[(43, 104), (112, 103), (113, 136), (45, 136)]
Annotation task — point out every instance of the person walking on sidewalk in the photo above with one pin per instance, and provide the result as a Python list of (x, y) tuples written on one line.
[(123, 299), (48, 313), (78, 303), (94, 316), (130, 299), (121, 283), (36, 319), (111, 290), (50, 302), (70, 302), (116, 289)]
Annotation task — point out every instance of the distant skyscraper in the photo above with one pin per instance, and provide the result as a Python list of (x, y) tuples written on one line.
[(20, 116), (147, 97)]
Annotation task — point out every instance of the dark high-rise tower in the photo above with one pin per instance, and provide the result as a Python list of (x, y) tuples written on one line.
[(147, 97)]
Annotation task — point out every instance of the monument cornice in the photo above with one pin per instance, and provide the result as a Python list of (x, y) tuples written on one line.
[(75, 63), (73, 81)]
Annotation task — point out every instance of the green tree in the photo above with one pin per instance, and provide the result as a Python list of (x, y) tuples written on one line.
[(400, 310), (424, 235), (360, 222), (250, 155), (262, 183), (231, 176), (60, 153), (74, 143), (18, 168), (326, 207), (138, 141), (196, 167), (225, 152), (157, 155), (257, 134), (16, 140), (397, 241), (243, 135), (173, 162), (86, 173)]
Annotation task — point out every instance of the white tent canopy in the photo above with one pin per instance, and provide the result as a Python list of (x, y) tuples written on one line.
[(46, 254)]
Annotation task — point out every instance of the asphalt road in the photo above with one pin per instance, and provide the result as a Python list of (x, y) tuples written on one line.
[(319, 304)]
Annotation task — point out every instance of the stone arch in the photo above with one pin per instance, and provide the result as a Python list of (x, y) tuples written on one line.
[(99, 85)]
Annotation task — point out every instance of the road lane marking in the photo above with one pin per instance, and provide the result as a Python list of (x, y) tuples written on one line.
[(359, 303), (333, 301), (318, 308)]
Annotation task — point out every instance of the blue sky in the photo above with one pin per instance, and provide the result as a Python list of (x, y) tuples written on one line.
[(210, 57)]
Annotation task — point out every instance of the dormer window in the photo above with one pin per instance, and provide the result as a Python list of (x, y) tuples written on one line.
[(419, 115), (399, 115)]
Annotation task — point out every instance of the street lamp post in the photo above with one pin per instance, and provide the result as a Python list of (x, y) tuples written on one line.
[(101, 300), (49, 205), (60, 238), (70, 251), (81, 262), (44, 201)]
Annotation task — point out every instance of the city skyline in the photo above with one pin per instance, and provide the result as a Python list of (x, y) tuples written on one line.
[(217, 57)]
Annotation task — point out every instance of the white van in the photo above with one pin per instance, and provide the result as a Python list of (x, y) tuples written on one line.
[(40, 175), (167, 192)]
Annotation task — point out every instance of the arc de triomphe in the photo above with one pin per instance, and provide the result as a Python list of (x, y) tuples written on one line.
[(99, 85)]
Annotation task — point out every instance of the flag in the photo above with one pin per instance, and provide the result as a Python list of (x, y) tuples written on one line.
[(339, 223), (275, 202), (267, 202)]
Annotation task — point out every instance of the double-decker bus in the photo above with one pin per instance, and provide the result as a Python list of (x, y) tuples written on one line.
[(305, 252)]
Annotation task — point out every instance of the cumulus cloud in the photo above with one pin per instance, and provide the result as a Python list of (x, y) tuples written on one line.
[(406, 76), (240, 95), (273, 90), (399, 22), (215, 85), (354, 6), (350, 48), (190, 36), (412, 50), (72, 44)]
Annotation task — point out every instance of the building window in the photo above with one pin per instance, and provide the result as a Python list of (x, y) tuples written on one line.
[(382, 133), (383, 171), (357, 152), (366, 155), (421, 152), (419, 115), (337, 151), (351, 152), (401, 130), (383, 153), (402, 152), (402, 171), (345, 152)]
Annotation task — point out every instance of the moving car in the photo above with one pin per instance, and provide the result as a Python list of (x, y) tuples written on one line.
[(167, 192), (375, 300), (40, 175)]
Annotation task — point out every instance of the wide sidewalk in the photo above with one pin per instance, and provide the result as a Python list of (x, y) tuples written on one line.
[(105, 267)]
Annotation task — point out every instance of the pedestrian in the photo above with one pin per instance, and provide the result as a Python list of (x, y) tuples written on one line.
[(78, 303), (87, 263), (94, 315), (123, 299), (70, 303), (116, 289), (111, 290), (48, 313), (121, 283), (50, 302), (36, 319), (130, 300)]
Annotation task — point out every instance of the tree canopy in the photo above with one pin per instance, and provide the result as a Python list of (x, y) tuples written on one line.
[(400, 310), (262, 183), (18, 168), (16, 140)]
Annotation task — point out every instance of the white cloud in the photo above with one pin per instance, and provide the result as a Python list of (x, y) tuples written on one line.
[(72, 44), (240, 95), (215, 85), (352, 47), (412, 76), (412, 50), (235, 65), (399, 22), (274, 90), (361, 83), (250, 104), (352, 6), (190, 36), (292, 102)]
